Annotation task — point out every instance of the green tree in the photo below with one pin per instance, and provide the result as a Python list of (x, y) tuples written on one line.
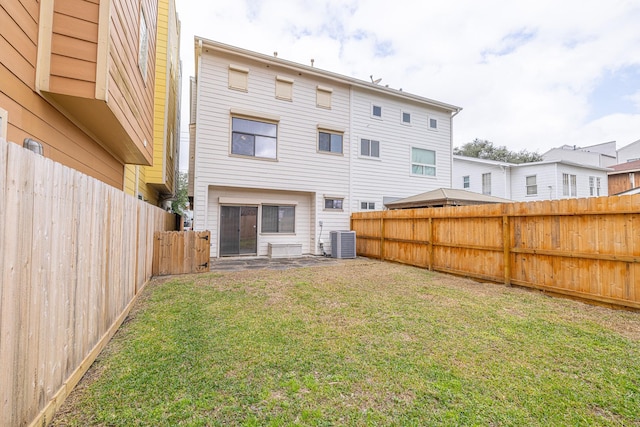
[(182, 199), (483, 149)]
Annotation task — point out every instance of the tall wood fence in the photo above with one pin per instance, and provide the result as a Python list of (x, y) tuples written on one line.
[(587, 248), (74, 254)]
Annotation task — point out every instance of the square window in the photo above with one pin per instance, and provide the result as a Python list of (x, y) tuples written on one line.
[(278, 219), (433, 124), (330, 142), (423, 162), (376, 111), (333, 204), (323, 97), (369, 148), (406, 118), (254, 138)]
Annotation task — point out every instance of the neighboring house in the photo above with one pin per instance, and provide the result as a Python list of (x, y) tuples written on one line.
[(282, 153), (157, 183), (78, 80), (602, 155), (545, 180), (624, 177), (629, 152)]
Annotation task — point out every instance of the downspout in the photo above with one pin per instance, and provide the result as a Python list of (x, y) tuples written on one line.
[(455, 113)]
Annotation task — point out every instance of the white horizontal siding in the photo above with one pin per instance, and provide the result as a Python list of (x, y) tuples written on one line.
[(390, 175), (500, 177)]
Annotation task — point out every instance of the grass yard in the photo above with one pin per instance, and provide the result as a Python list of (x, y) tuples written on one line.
[(364, 343)]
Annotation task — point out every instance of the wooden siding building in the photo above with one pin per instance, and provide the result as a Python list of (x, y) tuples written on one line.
[(78, 77), (624, 177), (157, 183), (282, 153)]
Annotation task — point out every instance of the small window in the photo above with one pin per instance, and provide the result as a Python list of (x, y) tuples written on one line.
[(323, 97), (278, 219), (465, 181), (331, 203), (433, 124), (284, 88), (143, 45), (532, 186), (406, 118), (238, 78), (369, 148), (486, 183), (423, 162), (330, 142), (376, 111), (254, 138), (367, 206), (4, 123)]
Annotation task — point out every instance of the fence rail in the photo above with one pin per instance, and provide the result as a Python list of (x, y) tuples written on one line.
[(74, 254), (586, 248)]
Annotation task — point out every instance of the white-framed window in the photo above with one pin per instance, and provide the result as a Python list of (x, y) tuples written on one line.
[(532, 185), (4, 123), (433, 123), (278, 219), (569, 185), (594, 185), (284, 88), (423, 162), (238, 78), (323, 97), (369, 148), (333, 203), (329, 141), (143, 44), (376, 111), (254, 138), (466, 181), (486, 183), (405, 117), (367, 206)]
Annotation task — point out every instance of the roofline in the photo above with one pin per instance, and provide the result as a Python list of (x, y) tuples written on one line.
[(202, 43), (518, 165)]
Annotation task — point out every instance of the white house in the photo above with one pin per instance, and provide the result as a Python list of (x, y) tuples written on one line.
[(282, 153), (629, 153), (603, 155), (545, 180)]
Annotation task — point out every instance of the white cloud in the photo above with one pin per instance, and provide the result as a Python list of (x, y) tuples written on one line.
[(523, 71)]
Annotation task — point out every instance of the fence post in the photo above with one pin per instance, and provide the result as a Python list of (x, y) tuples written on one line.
[(430, 244), (382, 235), (506, 243)]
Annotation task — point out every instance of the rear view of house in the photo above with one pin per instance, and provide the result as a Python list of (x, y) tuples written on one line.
[(282, 153)]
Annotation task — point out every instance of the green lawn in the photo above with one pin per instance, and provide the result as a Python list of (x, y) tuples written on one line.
[(361, 344)]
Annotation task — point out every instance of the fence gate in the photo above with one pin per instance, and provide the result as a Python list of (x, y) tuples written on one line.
[(180, 252)]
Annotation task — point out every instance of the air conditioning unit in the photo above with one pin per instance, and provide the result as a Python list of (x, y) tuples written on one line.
[(343, 244)]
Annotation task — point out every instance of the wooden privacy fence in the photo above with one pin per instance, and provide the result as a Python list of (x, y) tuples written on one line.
[(586, 248), (180, 252), (74, 254)]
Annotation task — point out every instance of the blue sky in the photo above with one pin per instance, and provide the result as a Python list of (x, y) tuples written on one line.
[(529, 74)]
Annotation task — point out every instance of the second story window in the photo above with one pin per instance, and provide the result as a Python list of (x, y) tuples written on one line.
[(330, 142), (532, 185), (433, 124), (254, 138), (376, 111), (486, 183), (406, 118)]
